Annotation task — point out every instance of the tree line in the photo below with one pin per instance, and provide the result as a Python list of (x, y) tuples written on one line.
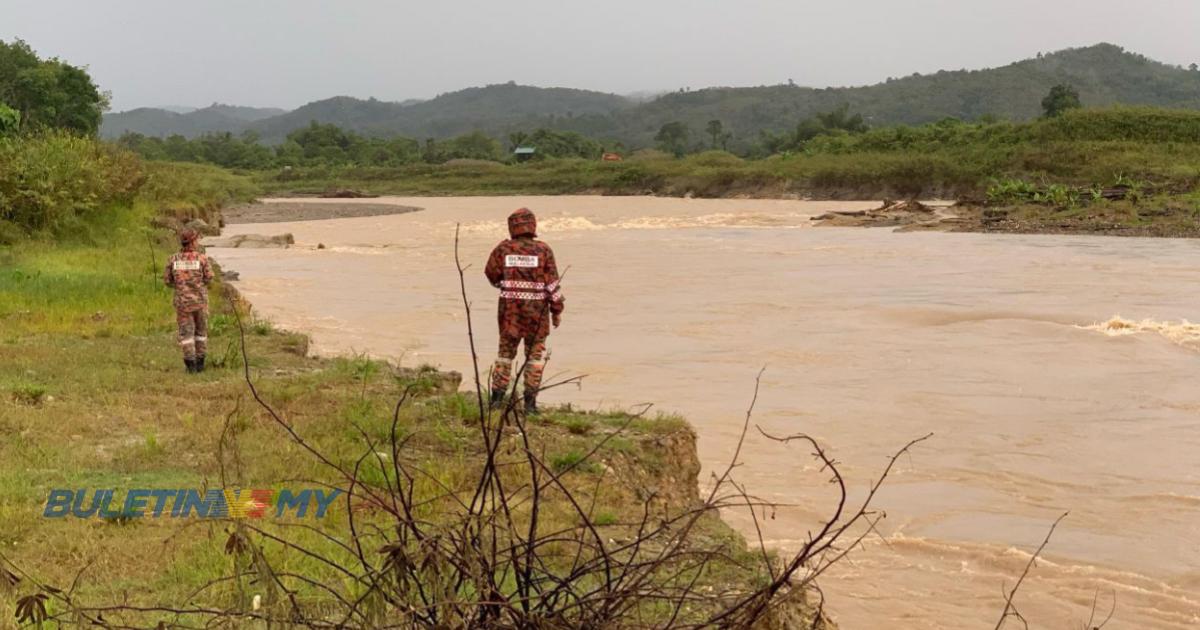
[(327, 144)]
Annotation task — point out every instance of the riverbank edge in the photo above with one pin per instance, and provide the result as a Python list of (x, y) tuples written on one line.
[(672, 472), (1167, 218)]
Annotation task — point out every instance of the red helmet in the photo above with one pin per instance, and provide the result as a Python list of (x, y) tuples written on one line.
[(522, 223), (188, 236)]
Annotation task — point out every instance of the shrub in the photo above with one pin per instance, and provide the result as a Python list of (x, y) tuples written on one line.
[(573, 461), (50, 181), (10, 233), (193, 190)]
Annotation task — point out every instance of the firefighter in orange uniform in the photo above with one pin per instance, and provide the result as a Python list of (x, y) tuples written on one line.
[(190, 273), (524, 270)]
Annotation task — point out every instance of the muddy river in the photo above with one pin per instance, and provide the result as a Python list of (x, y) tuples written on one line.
[(1056, 373)]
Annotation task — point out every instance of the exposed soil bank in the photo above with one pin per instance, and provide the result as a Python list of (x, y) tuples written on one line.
[(314, 211), (1167, 220)]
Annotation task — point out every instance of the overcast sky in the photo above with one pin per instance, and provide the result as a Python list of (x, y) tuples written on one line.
[(285, 53)]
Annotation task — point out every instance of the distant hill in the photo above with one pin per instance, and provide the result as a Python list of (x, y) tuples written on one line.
[(494, 109), (163, 122), (1104, 74)]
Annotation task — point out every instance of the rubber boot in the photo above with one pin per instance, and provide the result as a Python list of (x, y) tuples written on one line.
[(531, 408), (200, 363), (191, 365), (497, 398)]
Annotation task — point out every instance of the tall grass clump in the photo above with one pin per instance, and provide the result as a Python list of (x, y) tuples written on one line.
[(52, 182), (188, 191)]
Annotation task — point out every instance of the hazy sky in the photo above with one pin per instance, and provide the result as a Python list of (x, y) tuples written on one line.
[(287, 52)]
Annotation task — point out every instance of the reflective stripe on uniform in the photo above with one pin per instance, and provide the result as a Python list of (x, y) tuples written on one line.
[(557, 297), (187, 342), (522, 295), (199, 338), (521, 284)]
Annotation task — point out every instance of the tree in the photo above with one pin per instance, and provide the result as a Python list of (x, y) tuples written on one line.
[(1061, 98), (716, 130), (324, 143), (49, 93), (841, 118), (558, 144), (517, 139), (472, 146), (1194, 67), (672, 138)]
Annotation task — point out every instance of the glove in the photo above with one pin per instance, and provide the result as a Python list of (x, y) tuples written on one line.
[(556, 318)]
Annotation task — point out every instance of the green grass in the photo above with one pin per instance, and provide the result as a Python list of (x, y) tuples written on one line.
[(111, 286), (125, 415), (93, 402), (573, 461)]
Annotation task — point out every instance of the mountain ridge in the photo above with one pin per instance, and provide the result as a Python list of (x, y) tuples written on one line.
[(1104, 74)]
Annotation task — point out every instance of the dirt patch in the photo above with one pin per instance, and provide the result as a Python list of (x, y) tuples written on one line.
[(291, 211), (346, 193), (251, 241), (890, 214), (1171, 218)]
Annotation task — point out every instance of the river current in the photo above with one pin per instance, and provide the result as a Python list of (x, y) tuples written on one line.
[(1056, 373)]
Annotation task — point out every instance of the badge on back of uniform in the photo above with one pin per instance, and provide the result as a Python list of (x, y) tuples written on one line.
[(515, 260), (186, 265)]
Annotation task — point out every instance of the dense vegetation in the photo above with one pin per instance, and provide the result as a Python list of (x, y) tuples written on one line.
[(319, 144), (1103, 75), (831, 155), (47, 93)]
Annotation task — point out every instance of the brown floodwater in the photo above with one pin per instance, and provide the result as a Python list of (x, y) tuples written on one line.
[(1056, 373)]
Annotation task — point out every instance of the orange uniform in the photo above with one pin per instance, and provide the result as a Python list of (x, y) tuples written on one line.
[(524, 270), (190, 273)]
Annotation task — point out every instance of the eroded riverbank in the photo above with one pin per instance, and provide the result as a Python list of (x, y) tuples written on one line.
[(1161, 219), (870, 338)]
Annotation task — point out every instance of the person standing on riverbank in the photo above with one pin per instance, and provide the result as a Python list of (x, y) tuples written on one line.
[(190, 273), (524, 270)]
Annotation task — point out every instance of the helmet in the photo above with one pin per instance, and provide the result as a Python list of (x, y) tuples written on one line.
[(188, 236), (522, 223)]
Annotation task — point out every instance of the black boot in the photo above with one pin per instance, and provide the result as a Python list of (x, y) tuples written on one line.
[(200, 363), (191, 365), (531, 408), (497, 398)]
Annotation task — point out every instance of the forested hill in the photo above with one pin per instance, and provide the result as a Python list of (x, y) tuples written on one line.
[(161, 122), (1103, 74), (495, 109)]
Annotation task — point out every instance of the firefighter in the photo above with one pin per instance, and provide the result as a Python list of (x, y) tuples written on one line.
[(524, 270), (190, 273)]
